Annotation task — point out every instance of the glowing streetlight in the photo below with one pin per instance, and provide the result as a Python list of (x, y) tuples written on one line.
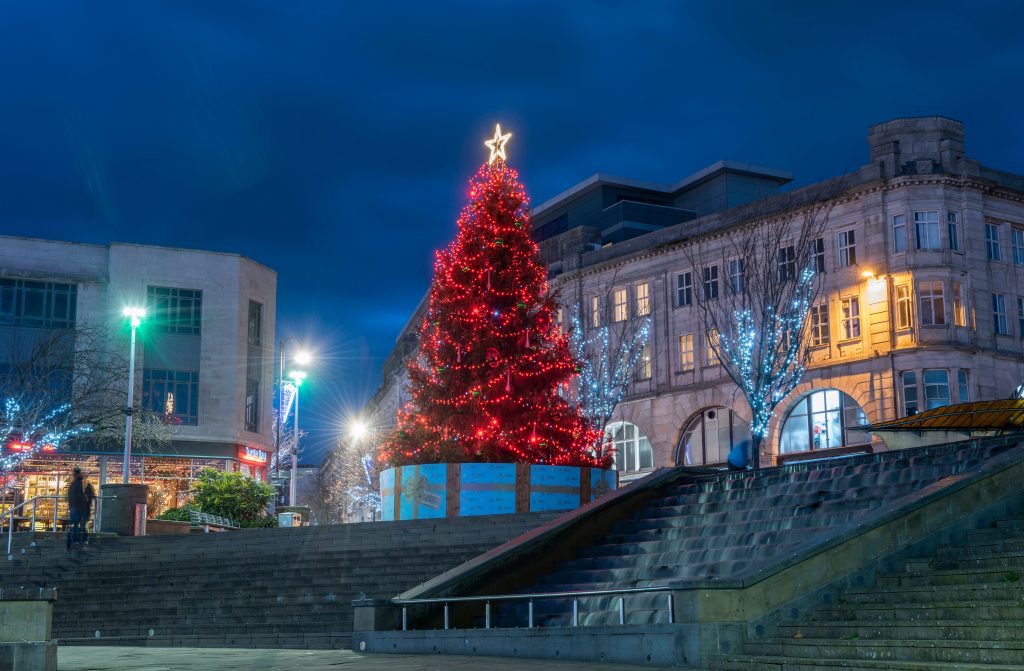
[(302, 357), (358, 429), (135, 316)]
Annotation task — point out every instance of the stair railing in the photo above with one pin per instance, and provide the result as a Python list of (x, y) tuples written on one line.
[(34, 503), (538, 596)]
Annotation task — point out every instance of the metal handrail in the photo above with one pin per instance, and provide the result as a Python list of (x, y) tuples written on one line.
[(538, 596), (35, 507)]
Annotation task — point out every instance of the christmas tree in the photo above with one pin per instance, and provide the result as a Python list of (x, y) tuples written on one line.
[(492, 366)]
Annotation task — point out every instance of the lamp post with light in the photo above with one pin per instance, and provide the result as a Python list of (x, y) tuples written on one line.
[(135, 315), (297, 377)]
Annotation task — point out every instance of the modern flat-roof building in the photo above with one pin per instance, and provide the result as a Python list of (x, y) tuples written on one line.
[(922, 266), (204, 358)]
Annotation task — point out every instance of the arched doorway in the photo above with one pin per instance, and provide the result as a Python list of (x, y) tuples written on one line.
[(632, 448), (823, 419), (709, 435)]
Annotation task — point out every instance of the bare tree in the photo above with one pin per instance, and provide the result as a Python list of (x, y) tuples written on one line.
[(609, 340), (63, 384), (755, 313), (347, 484)]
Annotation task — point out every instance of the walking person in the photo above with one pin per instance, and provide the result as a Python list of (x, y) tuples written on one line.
[(78, 508), (90, 497)]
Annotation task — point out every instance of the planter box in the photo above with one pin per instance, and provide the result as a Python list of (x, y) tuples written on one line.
[(156, 527), (463, 490)]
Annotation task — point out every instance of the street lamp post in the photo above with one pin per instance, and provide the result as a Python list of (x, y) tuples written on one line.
[(135, 315), (297, 377)]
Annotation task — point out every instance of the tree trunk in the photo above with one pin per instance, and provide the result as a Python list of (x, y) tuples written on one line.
[(755, 451)]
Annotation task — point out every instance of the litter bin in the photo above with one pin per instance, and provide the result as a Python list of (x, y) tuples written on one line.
[(123, 509)]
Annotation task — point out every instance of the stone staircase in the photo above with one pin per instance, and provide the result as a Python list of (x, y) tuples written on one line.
[(959, 607), (726, 526), (249, 588)]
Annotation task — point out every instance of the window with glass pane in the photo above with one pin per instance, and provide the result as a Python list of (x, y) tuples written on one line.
[(992, 242), (595, 311), (736, 267), (899, 233), (959, 308), (1020, 316), (999, 324), (910, 405), (936, 388), (819, 325), (686, 352), (821, 420), (847, 248), (903, 306), (818, 255), (684, 289), (174, 310), (174, 394), (50, 305), (850, 313), (926, 226), (963, 389), (953, 231), (787, 263), (933, 310), (1017, 240), (710, 283), (632, 448), (643, 300), (711, 355), (643, 368), (710, 436), (620, 308)]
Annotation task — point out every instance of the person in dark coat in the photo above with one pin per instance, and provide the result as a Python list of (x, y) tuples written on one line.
[(738, 459), (78, 508)]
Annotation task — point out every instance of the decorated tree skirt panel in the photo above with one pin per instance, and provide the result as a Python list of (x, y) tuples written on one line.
[(461, 490)]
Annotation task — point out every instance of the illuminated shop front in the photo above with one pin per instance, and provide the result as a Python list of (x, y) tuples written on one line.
[(169, 477)]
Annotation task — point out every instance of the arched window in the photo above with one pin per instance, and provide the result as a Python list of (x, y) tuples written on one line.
[(710, 435), (823, 419), (632, 449)]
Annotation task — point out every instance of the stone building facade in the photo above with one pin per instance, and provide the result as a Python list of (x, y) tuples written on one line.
[(922, 265)]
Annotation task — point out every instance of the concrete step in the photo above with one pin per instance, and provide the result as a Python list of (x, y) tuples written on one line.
[(927, 594), (930, 651), (982, 610), (949, 577), (960, 630), (772, 663)]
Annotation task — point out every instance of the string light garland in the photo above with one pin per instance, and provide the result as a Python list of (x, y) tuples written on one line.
[(45, 433), (484, 387)]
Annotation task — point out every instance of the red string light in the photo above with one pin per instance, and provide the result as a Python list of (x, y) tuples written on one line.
[(482, 388)]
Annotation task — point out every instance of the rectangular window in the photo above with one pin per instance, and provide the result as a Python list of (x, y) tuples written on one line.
[(684, 289), (910, 405), (736, 278), (710, 283), (620, 306), (643, 300), (953, 230), (936, 388), (933, 310), (174, 394), (787, 263), (1017, 242), (999, 324), (686, 352), (818, 255), (959, 305), (963, 389), (175, 310), (252, 405), (48, 305), (1020, 316), (819, 325), (711, 356), (992, 243), (255, 323), (926, 226), (595, 311), (903, 306), (643, 367), (850, 309), (899, 233), (847, 248)]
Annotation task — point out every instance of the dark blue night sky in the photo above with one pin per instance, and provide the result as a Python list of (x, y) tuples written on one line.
[(333, 140)]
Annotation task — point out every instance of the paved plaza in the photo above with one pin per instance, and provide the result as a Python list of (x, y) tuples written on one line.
[(233, 659)]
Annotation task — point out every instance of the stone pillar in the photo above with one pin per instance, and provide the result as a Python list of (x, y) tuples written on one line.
[(26, 630), (369, 616), (123, 509)]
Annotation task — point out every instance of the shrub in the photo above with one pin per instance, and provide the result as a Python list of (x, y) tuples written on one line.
[(176, 514), (232, 495)]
